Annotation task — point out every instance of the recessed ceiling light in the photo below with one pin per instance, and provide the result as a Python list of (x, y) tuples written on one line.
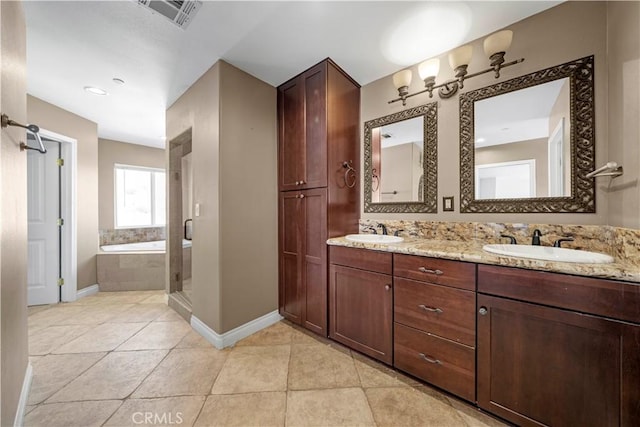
[(118, 81), (95, 90)]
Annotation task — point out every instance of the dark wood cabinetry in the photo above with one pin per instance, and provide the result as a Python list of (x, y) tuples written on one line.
[(361, 301), (435, 330), (548, 365), (318, 122)]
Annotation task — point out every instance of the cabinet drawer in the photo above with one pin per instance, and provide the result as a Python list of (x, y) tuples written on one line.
[(364, 259), (440, 310), (438, 361), (439, 271), (609, 298)]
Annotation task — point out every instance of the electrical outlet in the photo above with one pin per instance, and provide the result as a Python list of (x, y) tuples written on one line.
[(197, 209)]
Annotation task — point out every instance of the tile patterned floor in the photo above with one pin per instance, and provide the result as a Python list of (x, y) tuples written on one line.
[(126, 359)]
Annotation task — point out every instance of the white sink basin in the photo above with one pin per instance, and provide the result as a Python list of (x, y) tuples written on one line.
[(373, 238), (548, 253)]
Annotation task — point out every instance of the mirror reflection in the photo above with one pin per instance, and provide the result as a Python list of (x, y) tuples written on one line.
[(400, 161), (397, 166), (522, 143), (527, 144)]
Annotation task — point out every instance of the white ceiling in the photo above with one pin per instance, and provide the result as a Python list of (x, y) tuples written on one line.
[(74, 44)]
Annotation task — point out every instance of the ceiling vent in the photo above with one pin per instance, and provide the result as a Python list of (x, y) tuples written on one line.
[(179, 12)]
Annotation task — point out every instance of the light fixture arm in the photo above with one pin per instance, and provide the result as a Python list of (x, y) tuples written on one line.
[(449, 88)]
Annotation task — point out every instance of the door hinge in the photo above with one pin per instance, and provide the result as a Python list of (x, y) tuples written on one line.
[(60, 162), (60, 222), (177, 277), (60, 281)]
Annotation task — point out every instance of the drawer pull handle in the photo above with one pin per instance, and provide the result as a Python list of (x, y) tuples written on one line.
[(387, 287), (430, 359), (432, 309), (429, 271)]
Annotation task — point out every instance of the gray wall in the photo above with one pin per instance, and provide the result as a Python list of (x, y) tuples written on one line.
[(13, 212)]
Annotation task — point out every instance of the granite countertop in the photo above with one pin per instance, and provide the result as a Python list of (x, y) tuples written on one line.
[(471, 251)]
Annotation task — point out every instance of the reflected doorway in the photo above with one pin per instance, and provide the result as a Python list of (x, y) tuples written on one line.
[(180, 225)]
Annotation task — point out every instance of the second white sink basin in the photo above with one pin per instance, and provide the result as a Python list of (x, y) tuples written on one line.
[(374, 238), (548, 253)]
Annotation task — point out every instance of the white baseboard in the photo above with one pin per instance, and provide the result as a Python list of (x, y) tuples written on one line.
[(230, 338), (89, 290), (24, 396)]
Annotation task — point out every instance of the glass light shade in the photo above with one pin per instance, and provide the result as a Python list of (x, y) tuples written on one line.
[(429, 68), (402, 78), (498, 42), (460, 56)]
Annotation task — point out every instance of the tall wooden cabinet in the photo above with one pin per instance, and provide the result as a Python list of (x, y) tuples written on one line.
[(318, 130)]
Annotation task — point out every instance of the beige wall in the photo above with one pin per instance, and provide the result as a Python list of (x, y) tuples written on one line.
[(13, 212), (550, 38), (234, 256), (533, 149), (623, 43), (112, 152), (85, 132), (248, 197), (198, 109)]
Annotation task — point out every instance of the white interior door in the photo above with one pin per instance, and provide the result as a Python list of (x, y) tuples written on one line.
[(43, 210)]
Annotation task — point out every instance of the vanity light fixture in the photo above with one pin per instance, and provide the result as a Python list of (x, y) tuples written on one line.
[(495, 47)]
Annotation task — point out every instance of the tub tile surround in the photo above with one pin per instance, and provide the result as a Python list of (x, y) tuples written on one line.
[(131, 235), (463, 241)]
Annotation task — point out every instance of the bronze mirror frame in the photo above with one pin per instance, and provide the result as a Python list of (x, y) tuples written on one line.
[(582, 139), (429, 161)]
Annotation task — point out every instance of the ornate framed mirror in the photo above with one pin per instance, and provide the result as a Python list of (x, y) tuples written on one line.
[(526, 144), (401, 160)]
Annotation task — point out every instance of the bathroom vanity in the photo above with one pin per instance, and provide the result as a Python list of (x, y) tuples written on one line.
[(533, 347)]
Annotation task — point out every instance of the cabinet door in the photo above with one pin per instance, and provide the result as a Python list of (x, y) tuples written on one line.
[(546, 366), (360, 303), (315, 108), (290, 295), (314, 260), (291, 138)]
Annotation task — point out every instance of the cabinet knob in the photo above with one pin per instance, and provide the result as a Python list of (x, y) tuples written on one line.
[(302, 196), (297, 182), (387, 287), (302, 182), (483, 311)]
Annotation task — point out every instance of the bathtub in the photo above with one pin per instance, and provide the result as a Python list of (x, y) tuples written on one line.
[(137, 266), (155, 246)]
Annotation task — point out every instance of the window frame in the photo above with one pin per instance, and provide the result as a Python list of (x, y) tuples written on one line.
[(152, 171)]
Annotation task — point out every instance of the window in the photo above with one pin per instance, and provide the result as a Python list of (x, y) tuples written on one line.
[(140, 197)]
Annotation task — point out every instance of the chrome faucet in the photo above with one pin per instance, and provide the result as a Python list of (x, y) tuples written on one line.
[(384, 229), (535, 240)]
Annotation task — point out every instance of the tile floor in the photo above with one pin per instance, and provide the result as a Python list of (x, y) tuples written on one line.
[(126, 359)]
